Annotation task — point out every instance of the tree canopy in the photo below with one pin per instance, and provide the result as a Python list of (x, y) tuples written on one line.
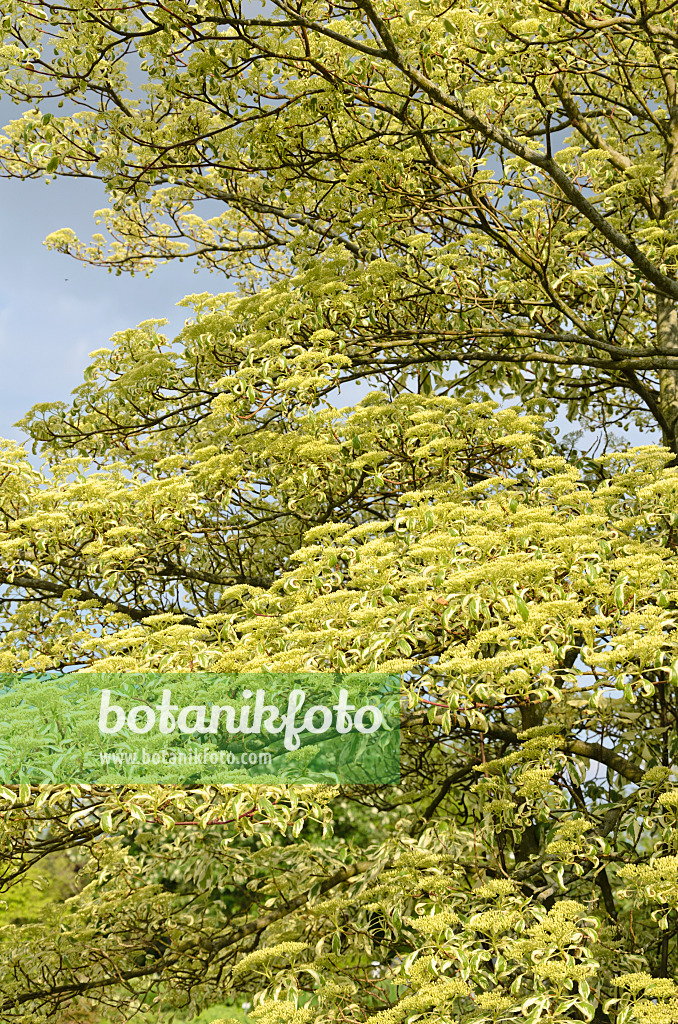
[(202, 505), (525, 865), (511, 170)]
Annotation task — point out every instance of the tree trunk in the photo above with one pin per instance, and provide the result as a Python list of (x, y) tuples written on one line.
[(667, 341), (667, 313)]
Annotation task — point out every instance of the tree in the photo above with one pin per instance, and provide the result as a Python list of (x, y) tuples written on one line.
[(526, 864), (512, 172), (202, 506)]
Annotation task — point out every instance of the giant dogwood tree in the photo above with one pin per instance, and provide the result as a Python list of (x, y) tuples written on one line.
[(406, 192)]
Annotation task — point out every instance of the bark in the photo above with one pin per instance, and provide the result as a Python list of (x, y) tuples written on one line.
[(667, 341), (667, 308)]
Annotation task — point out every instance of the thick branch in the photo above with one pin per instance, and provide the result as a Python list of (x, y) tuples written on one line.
[(82, 594)]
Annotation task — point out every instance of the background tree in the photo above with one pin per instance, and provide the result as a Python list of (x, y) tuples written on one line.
[(515, 168)]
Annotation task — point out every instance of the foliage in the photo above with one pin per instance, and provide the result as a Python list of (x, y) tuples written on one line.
[(53, 880), (527, 862), (402, 188), (510, 170)]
